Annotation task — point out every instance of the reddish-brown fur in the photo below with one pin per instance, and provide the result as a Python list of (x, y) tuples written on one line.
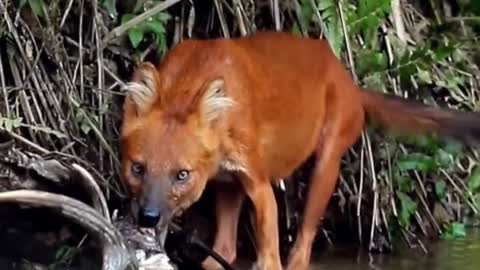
[(292, 98)]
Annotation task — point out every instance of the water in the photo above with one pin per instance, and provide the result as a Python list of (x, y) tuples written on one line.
[(461, 254)]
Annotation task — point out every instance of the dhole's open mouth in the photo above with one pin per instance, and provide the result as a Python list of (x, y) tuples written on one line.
[(160, 227)]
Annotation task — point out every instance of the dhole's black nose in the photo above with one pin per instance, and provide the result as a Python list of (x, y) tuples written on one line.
[(148, 217)]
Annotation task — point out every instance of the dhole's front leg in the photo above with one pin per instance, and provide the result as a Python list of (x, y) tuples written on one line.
[(260, 192), (228, 204)]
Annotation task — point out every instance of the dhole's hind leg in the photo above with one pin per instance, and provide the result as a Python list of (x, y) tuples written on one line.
[(228, 204), (322, 185)]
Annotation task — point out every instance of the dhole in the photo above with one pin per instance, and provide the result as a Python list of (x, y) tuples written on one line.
[(245, 112)]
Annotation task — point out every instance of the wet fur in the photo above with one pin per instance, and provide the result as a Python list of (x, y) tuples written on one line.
[(279, 98)]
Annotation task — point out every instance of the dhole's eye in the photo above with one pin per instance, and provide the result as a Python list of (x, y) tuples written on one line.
[(138, 169), (182, 175)]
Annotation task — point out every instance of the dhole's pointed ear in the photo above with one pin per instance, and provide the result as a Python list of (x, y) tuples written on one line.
[(214, 100), (142, 88)]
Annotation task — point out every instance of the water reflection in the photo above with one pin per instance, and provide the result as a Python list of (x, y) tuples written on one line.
[(455, 254), (461, 254)]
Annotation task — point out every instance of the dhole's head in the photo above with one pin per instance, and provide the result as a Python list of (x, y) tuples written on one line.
[(169, 142)]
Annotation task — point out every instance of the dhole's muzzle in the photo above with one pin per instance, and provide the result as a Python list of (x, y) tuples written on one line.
[(152, 204)]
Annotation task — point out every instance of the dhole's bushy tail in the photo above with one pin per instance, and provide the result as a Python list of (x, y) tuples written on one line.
[(415, 117)]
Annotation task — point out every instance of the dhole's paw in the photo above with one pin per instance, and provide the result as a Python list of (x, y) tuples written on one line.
[(298, 260), (267, 264), (211, 264)]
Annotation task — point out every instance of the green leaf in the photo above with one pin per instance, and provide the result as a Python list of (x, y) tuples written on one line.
[(369, 16), (325, 4), (156, 27), (47, 130), (136, 36), (399, 47), (454, 230), (111, 7), (474, 180), (85, 128), (405, 184), (458, 229), (329, 13), (84, 121), (37, 7), (407, 208), (138, 6), (444, 159), (127, 17), (443, 52), (408, 63), (371, 61), (163, 17), (427, 143), (417, 161), (424, 76), (10, 124), (21, 3), (374, 81), (334, 35), (296, 29), (476, 199), (161, 43), (440, 188), (453, 147), (305, 14)]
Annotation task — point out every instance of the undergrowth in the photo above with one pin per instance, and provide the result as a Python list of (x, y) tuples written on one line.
[(62, 65)]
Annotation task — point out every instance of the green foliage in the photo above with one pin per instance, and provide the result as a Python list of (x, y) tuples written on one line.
[(371, 61), (407, 208), (364, 18), (305, 16), (417, 161), (110, 6), (367, 17), (454, 230), (431, 156), (444, 153), (404, 184), (418, 61), (440, 189), (329, 14), (11, 124), (426, 155), (470, 6), (85, 120), (64, 257), (154, 26), (135, 34), (36, 6), (474, 181)]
